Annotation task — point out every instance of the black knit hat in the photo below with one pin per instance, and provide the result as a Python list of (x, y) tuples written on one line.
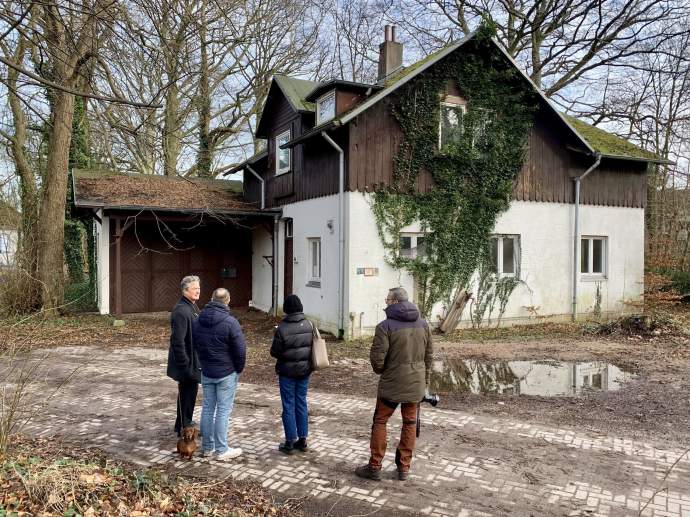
[(292, 304)]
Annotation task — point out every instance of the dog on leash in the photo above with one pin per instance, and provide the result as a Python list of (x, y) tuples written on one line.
[(187, 444)]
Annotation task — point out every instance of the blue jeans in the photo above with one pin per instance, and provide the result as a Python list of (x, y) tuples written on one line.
[(219, 397), (293, 395)]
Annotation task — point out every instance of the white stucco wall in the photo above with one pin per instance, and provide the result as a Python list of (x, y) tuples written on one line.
[(103, 263), (310, 220), (546, 241), (262, 273)]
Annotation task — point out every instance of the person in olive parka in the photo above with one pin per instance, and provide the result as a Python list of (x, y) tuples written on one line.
[(291, 347)]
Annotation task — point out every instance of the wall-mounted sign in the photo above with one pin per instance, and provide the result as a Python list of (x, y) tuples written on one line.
[(228, 272), (368, 271)]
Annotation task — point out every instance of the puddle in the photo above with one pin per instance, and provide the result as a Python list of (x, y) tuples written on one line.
[(542, 378)]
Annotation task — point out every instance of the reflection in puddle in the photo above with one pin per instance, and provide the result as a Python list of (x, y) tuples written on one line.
[(542, 378)]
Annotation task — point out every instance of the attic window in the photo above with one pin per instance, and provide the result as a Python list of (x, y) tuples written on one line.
[(282, 155), (325, 107), (451, 124)]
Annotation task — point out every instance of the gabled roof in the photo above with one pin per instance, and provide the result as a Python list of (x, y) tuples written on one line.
[(296, 91), (594, 140), (117, 190)]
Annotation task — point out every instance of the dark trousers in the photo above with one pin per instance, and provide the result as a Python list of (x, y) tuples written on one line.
[(403, 454), (186, 398), (293, 395)]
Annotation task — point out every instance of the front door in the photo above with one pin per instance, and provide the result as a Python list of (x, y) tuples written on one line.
[(287, 284)]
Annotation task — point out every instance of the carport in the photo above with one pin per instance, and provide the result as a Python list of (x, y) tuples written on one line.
[(153, 230)]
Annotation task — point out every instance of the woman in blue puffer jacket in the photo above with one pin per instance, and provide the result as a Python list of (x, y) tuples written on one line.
[(221, 348)]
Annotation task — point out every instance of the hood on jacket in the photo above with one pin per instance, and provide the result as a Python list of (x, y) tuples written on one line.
[(402, 311), (294, 317), (212, 313)]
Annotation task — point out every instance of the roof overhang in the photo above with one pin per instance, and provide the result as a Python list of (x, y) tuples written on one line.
[(249, 161), (268, 212)]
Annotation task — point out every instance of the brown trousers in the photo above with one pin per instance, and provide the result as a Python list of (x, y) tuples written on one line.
[(403, 454)]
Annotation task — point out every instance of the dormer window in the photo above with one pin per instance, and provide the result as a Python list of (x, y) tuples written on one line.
[(282, 155), (325, 107)]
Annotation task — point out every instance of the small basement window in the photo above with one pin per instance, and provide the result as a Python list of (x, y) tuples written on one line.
[(325, 107), (451, 124), (282, 155), (593, 256), (314, 273), (504, 252)]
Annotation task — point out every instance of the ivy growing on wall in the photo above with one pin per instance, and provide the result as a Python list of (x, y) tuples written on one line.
[(473, 174)]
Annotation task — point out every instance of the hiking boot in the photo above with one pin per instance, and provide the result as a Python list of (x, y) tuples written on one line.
[(403, 475), (287, 448), (366, 472), (301, 445)]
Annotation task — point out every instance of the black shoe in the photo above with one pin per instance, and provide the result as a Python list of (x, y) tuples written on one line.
[(366, 472), (402, 475), (301, 445), (287, 448)]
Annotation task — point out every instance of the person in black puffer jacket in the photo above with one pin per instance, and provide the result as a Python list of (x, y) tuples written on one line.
[(292, 348), (222, 352)]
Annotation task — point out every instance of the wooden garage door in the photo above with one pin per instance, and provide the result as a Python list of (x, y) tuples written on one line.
[(151, 271)]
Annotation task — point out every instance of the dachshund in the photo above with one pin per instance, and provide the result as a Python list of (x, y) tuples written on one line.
[(187, 444)]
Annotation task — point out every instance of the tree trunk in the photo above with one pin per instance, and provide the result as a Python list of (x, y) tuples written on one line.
[(171, 137), (51, 230), (205, 154)]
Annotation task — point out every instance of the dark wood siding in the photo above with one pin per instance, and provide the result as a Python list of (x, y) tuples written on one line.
[(547, 175), (151, 271), (344, 101)]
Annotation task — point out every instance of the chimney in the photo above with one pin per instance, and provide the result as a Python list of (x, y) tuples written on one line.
[(390, 54)]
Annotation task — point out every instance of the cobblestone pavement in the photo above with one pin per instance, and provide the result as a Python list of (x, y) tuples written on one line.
[(121, 402)]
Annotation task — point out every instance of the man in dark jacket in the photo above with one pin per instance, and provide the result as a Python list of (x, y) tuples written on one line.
[(402, 354), (222, 350), (183, 362), (292, 348)]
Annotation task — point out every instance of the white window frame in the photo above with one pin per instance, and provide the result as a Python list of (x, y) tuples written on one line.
[(499, 252), (289, 224), (589, 275), (413, 243), (448, 104), (314, 281), (319, 116), (278, 138)]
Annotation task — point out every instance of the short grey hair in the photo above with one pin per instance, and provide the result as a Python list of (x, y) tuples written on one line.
[(221, 295), (186, 281), (399, 293)]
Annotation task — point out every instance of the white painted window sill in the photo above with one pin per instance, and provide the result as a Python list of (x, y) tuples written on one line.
[(593, 278)]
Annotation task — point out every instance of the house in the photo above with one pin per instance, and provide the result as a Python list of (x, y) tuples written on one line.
[(9, 234), (574, 231)]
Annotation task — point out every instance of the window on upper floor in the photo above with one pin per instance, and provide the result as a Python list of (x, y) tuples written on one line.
[(282, 155), (451, 124), (504, 254), (593, 257), (325, 107), (4, 243)]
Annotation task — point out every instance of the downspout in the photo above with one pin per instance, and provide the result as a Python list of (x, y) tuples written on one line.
[(341, 235), (275, 264), (261, 180), (576, 232)]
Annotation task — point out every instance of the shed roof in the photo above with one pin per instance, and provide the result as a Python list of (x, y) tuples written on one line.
[(111, 189)]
